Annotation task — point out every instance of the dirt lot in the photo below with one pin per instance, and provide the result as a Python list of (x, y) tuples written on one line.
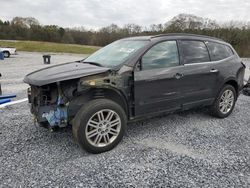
[(188, 149)]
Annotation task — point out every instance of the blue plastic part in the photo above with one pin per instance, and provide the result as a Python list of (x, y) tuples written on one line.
[(1, 56), (7, 96), (57, 117), (2, 101)]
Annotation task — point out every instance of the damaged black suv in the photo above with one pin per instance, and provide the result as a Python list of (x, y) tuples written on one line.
[(132, 79)]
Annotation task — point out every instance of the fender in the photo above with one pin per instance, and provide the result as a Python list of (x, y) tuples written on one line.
[(227, 80), (96, 93)]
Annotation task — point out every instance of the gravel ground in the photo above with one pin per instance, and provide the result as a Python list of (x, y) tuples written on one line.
[(188, 149)]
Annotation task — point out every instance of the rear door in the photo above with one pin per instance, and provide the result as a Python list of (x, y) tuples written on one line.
[(226, 62), (200, 75)]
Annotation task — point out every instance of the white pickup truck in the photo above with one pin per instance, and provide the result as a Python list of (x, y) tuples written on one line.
[(7, 51)]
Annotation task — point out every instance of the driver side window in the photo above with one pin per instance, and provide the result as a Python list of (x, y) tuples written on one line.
[(162, 55)]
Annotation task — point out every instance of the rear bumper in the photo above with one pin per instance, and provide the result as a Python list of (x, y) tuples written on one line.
[(246, 90)]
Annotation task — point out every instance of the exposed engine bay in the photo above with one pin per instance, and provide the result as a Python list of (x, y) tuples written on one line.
[(50, 102)]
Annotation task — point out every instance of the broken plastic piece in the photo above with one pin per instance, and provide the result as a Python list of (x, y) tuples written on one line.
[(57, 117), (2, 101), (7, 96)]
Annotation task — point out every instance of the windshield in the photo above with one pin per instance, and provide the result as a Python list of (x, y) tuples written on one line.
[(115, 53)]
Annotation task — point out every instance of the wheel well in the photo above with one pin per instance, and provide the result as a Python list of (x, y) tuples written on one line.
[(98, 93), (234, 84), (6, 51), (113, 95)]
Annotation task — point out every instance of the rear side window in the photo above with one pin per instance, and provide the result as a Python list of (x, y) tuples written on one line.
[(194, 51), (218, 51)]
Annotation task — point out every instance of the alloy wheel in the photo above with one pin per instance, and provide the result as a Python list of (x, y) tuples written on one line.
[(6, 54), (103, 128), (226, 101)]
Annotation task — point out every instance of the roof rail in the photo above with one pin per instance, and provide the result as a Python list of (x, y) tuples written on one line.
[(185, 34)]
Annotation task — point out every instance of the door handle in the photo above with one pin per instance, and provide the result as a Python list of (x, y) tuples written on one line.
[(214, 70), (178, 75)]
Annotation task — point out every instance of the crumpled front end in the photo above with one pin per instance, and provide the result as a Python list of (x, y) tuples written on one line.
[(49, 104)]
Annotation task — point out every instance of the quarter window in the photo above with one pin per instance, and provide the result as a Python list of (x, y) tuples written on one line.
[(162, 55), (219, 51), (194, 52)]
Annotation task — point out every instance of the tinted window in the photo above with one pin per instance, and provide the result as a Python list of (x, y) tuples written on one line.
[(219, 51), (164, 54), (194, 52)]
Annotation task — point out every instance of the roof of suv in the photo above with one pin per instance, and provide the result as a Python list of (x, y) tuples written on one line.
[(171, 36), (176, 36)]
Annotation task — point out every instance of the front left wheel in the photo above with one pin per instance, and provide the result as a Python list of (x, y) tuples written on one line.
[(99, 125)]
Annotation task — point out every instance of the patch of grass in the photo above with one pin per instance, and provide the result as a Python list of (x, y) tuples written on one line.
[(35, 46)]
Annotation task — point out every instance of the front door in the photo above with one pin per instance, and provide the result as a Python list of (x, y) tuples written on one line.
[(156, 83)]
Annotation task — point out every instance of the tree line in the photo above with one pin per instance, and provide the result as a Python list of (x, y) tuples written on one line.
[(29, 29)]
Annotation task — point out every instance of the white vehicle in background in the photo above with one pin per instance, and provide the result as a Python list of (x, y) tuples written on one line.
[(7, 51)]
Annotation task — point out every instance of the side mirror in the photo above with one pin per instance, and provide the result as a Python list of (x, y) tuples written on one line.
[(138, 66)]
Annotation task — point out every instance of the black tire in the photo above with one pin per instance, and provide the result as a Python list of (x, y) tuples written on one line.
[(215, 108), (86, 113), (6, 54)]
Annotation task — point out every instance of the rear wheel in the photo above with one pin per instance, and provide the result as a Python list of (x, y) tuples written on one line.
[(225, 102), (99, 126), (6, 54)]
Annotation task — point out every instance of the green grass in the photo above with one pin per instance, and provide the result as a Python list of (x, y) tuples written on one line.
[(35, 46)]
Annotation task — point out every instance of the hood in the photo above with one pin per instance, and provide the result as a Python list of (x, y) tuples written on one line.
[(62, 72)]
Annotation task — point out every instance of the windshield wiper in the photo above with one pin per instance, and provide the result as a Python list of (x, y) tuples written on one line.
[(93, 63)]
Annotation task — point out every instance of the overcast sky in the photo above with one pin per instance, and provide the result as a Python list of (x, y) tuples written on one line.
[(98, 13)]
